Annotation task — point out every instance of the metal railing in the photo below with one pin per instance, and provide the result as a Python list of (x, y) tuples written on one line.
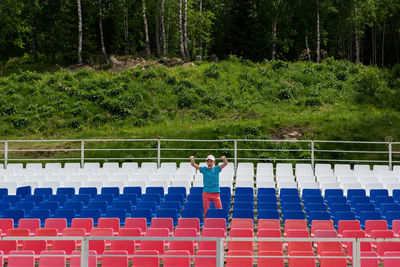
[(311, 151), (220, 255)]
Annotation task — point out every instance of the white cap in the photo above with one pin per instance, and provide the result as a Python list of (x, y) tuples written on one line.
[(210, 157)]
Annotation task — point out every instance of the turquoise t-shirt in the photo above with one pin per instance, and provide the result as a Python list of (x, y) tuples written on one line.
[(210, 179)]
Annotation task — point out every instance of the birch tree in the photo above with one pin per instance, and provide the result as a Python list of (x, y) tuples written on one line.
[(318, 35), (274, 25), (103, 47), (146, 28), (80, 32), (185, 31), (163, 37), (157, 28), (181, 42), (126, 26)]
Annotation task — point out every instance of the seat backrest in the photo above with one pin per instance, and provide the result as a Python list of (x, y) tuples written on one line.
[(146, 261), (388, 262), (8, 245), (183, 261), (85, 223), (295, 224), (57, 258), (269, 245), (30, 224), (242, 223), (140, 223), (211, 232), (67, 245), (115, 258), (189, 223), (269, 224), (236, 261), (301, 262), (279, 261), (205, 261), (6, 224), (371, 225), (321, 225), (27, 261), (74, 232), (36, 246), (163, 223), (215, 223), (241, 245), (76, 260), (113, 223), (348, 225), (333, 262)]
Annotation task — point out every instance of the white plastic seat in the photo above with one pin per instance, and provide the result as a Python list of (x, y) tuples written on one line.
[(97, 177), (308, 185), (16, 178), (368, 187), (324, 172), (265, 172), (141, 184), (130, 165), (244, 183), (364, 173), (148, 171), (118, 177), (199, 183), (32, 184), (265, 184), (284, 172), (181, 183), (389, 180), (37, 178), (228, 171), (11, 186), (341, 166), (344, 173), (25, 172), (326, 179), (368, 180), (110, 165), (119, 184), (15, 166), (2, 179), (62, 171), (284, 179), (97, 184), (264, 165), (199, 176), (182, 177), (168, 165), (287, 166), (160, 183), (396, 170), (45, 172), (149, 165), (72, 165), (102, 171), (53, 185), (287, 185), (245, 177), (305, 179), (333, 185), (53, 165), (262, 177), (92, 165), (346, 186), (224, 183), (59, 178), (381, 168), (361, 167), (323, 166), (161, 177), (304, 172), (347, 179), (165, 171), (185, 165), (32, 166), (1, 166), (249, 165), (125, 171), (7, 172), (303, 166), (390, 187), (75, 185)]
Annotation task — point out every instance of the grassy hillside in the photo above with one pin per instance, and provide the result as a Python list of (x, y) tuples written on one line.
[(333, 100)]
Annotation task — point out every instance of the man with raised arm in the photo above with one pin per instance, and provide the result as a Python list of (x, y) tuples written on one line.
[(210, 181)]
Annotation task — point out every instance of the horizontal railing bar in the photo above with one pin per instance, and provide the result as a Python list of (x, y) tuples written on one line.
[(44, 150), (196, 140), (196, 149), (352, 151), (42, 141), (45, 159), (273, 141), (274, 150), (120, 149), (352, 142), (352, 160), (119, 140), (271, 159)]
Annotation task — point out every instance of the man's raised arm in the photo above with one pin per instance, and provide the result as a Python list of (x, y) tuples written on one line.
[(193, 163)]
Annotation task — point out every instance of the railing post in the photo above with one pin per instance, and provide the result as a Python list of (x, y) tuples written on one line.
[(312, 154), (220, 252), (85, 252), (356, 253), (159, 153), (5, 154), (235, 154), (82, 153), (390, 156)]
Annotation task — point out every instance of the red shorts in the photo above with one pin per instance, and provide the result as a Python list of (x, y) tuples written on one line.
[(207, 198)]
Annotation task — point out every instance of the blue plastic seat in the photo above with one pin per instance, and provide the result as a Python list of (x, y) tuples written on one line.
[(377, 192), (133, 190), (379, 200), (243, 214), (194, 197), (290, 198), (23, 191), (117, 213), (334, 207), (293, 215), (225, 190), (14, 214), (385, 207), (288, 191), (266, 191), (50, 205), (155, 190), (193, 213), (110, 190), (45, 191), (225, 198), (244, 198), (37, 199), (291, 206), (312, 199), (395, 194), (217, 213), (95, 214), (142, 213), (392, 215), (69, 191), (84, 198), (129, 197), (308, 207), (92, 191), (105, 197), (243, 205), (195, 190), (355, 192), (268, 214), (359, 199), (26, 206), (68, 214), (41, 214), (97, 204), (194, 205), (58, 198), (177, 190), (76, 205), (12, 199), (152, 197), (311, 192), (344, 216), (244, 191), (267, 205), (171, 205), (121, 204), (333, 192), (360, 207), (168, 213), (267, 198), (318, 215), (4, 206), (151, 205), (3, 192), (174, 197), (369, 216), (336, 200)]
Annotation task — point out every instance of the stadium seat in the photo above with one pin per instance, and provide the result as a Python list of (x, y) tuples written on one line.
[(241, 245), (142, 213), (15, 259), (127, 245), (30, 224), (268, 214), (68, 214), (296, 245), (58, 223), (146, 261), (279, 261), (217, 213), (183, 261), (243, 214), (391, 259), (97, 204), (297, 261), (100, 245), (348, 225), (40, 214), (140, 223), (294, 224), (91, 191), (14, 214), (50, 205), (115, 258), (204, 261), (269, 245), (113, 223), (6, 246), (321, 225), (85, 223), (57, 258), (211, 232), (369, 216), (364, 246), (35, 199), (344, 216), (190, 223), (184, 245), (371, 225), (246, 261), (158, 245), (333, 262), (383, 247)]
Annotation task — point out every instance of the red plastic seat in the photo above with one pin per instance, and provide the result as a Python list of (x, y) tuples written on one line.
[(324, 234), (113, 261), (18, 232), (189, 223), (163, 223), (295, 224), (371, 225), (246, 261), (364, 246), (27, 261), (30, 224), (396, 227), (215, 223), (383, 247), (269, 224), (298, 245), (348, 225), (75, 232), (85, 223), (241, 245), (36, 246), (328, 247), (184, 245), (100, 245), (321, 225), (183, 261), (242, 223), (112, 223), (301, 262), (57, 259), (7, 246), (146, 261), (371, 262), (128, 245), (59, 223), (47, 232), (6, 224), (1, 259), (211, 232), (333, 262), (67, 245), (76, 260), (268, 246), (388, 262), (158, 245), (206, 261), (279, 261), (140, 223)]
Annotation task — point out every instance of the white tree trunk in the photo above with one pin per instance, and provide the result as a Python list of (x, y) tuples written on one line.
[(183, 55), (80, 32), (274, 25), (103, 47), (185, 30), (146, 29), (126, 27), (308, 49), (157, 28), (357, 37), (163, 37), (318, 35)]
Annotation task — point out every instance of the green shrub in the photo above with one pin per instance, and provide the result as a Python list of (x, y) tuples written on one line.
[(276, 65), (20, 122), (212, 71)]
